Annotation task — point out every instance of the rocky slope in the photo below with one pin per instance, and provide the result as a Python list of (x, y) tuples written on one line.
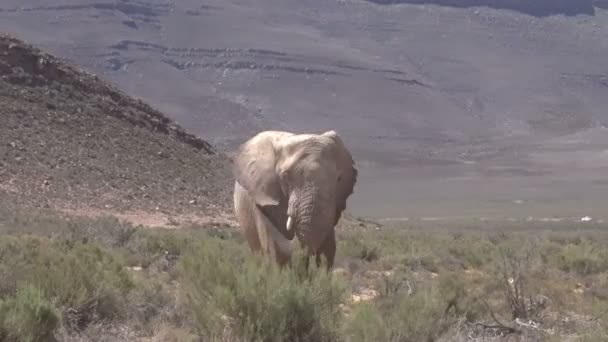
[(70, 140)]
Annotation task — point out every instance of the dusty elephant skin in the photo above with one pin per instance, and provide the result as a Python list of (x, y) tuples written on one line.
[(292, 185)]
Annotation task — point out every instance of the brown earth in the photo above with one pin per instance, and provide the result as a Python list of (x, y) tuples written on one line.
[(71, 141)]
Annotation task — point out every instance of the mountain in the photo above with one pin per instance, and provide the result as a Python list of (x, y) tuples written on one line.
[(472, 107), (69, 140)]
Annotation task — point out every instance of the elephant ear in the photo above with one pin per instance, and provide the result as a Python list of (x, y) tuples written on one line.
[(255, 169), (347, 173)]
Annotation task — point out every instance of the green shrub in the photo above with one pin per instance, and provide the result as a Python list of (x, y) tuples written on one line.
[(366, 324), (160, 242), (27, 317), (403, 318), (28, 221), (228, 286), (146, 246), (456, 292), (357, 246), (84, 281), (152, 300), (583, 258), (105, 231), (473, 253), (422, 312)]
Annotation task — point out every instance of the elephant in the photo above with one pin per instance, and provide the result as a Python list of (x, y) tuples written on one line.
[(290, 185)]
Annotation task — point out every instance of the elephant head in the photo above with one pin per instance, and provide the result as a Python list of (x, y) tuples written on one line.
[(306, 178)]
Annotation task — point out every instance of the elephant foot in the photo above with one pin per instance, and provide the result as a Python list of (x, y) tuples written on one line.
[(328, 262), (282, 261), (318, 262)]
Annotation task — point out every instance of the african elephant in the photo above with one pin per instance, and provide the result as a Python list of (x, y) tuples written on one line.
[(292, 185)]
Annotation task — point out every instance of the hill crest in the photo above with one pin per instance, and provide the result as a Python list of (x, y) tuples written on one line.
[(27, 65)]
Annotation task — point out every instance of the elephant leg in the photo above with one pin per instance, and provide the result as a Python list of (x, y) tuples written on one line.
[(272, 242), (328, 249), (261, 234), (244, 212)]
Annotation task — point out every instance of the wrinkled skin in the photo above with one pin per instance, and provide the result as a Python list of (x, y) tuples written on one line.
[(292, 187)]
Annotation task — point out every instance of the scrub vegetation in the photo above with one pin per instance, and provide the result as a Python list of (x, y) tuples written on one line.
[(82, 279)]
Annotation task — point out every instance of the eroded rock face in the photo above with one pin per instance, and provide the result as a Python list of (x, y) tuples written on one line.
[(535, 8)]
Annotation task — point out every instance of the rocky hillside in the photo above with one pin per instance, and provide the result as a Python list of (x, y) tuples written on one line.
[(69, 140)]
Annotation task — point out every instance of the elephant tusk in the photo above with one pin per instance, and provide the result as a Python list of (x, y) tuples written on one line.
[(289, 223)]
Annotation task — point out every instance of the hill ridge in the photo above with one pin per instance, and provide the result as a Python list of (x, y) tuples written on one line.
[(20, 54)]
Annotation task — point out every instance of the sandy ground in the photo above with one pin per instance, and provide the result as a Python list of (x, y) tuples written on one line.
[(154, 219)]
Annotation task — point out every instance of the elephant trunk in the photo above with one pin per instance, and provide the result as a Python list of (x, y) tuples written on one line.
[(311, 214)]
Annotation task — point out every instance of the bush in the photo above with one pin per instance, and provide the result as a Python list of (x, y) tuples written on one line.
[(402, 317), (583, 258), (28, 317), (473, 253), (228, 286), (153, 300), (366, 324), (422, 312), (104, 231), (85, 282), (427, 262), (458, 295), (358, 247)]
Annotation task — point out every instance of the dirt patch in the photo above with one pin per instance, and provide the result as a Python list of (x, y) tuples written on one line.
[(154, 219), (364, 295)]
